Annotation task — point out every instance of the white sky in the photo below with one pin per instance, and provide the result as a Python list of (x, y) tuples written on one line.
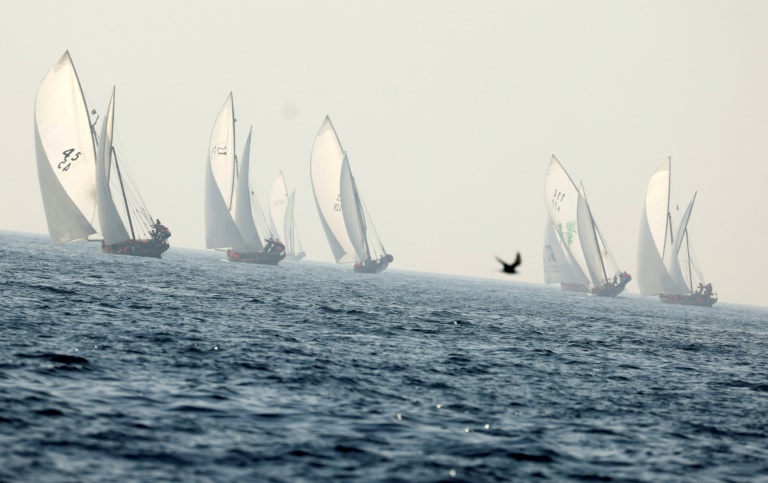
[(449, 111)]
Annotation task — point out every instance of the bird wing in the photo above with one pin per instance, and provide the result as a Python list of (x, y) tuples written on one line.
[(501, 261), (518, 260)]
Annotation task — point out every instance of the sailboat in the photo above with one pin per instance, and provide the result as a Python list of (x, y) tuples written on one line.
[(74, 177), (281, 221), (341, 209), (560, 267), (229, 223), (659, 257), (578, 233)]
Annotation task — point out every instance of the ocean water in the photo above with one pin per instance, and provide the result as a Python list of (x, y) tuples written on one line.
[(117, 368)]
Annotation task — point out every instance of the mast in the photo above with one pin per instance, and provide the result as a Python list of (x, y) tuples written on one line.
[(122, 188), (594, 233), (235, 172), (668, 224)]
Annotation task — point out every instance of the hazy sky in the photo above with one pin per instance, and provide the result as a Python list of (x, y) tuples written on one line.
[(449, 111)]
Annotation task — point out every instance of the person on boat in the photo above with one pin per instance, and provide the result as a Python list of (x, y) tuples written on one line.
[(269, 246), (279, 247), (615, 279)]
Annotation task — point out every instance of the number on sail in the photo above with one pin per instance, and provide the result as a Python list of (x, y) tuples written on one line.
[(67, 160)]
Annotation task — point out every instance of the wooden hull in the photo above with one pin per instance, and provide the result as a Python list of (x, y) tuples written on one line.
[(611, 290), (137, 248), (373, 266), (259, 258), (697, 299)]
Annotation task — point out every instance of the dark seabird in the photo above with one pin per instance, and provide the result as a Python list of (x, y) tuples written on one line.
[(510, 268)]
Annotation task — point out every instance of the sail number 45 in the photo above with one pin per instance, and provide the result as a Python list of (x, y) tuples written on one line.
[(67, 161)]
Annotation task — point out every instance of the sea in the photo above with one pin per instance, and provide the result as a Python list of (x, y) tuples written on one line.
[(190, 368)]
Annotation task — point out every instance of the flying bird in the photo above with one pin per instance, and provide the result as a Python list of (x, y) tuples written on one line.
[(510, 268)]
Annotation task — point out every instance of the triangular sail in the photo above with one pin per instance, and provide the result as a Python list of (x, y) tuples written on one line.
[(289, 226), (220, 228), (681, 231), (325, 169), (588, 239), (112, 227), (652, 275), (65, 154), (278, 204), (561, 199), (242, 211), (352, 212)]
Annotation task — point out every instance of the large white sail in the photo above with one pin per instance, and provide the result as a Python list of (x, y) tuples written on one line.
[(561, 198), (289, 226), (278, 204), (325, 170), (652, 274), (242, 211), (65, 153), (220, 228), (588, 239), (112, 227), (352, 212)]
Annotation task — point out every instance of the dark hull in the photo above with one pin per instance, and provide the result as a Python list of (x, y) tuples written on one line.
[(137, 248), (697, 299), (373, 266), (574, 287), (611, 290), (259, 258)]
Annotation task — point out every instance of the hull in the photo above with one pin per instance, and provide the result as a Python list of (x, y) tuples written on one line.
[(137, 248), (372, 266), (259, 258), (610, 289), (574, 287), (697, 299)]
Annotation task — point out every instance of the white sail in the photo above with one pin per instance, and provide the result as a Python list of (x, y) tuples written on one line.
[(678, 276), (352, 212), (652, 274), (65, 153), (325, 170), (242, 211), (289, 226), (554, 258), (112, 227), (278, 204), (561, 198), (220, 228), (588, 239)]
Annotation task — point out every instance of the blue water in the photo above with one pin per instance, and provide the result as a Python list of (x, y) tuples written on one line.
[(117, 368)]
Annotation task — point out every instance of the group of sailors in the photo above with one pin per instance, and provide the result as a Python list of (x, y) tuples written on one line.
[(273, 245), (620, 279), (705, 290), (159, 232)]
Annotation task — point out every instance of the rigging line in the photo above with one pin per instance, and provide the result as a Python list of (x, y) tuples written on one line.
[(260, 220), (375, 231), (127, 165)]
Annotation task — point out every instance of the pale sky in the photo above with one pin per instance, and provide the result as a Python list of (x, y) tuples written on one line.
[(449, 112)]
